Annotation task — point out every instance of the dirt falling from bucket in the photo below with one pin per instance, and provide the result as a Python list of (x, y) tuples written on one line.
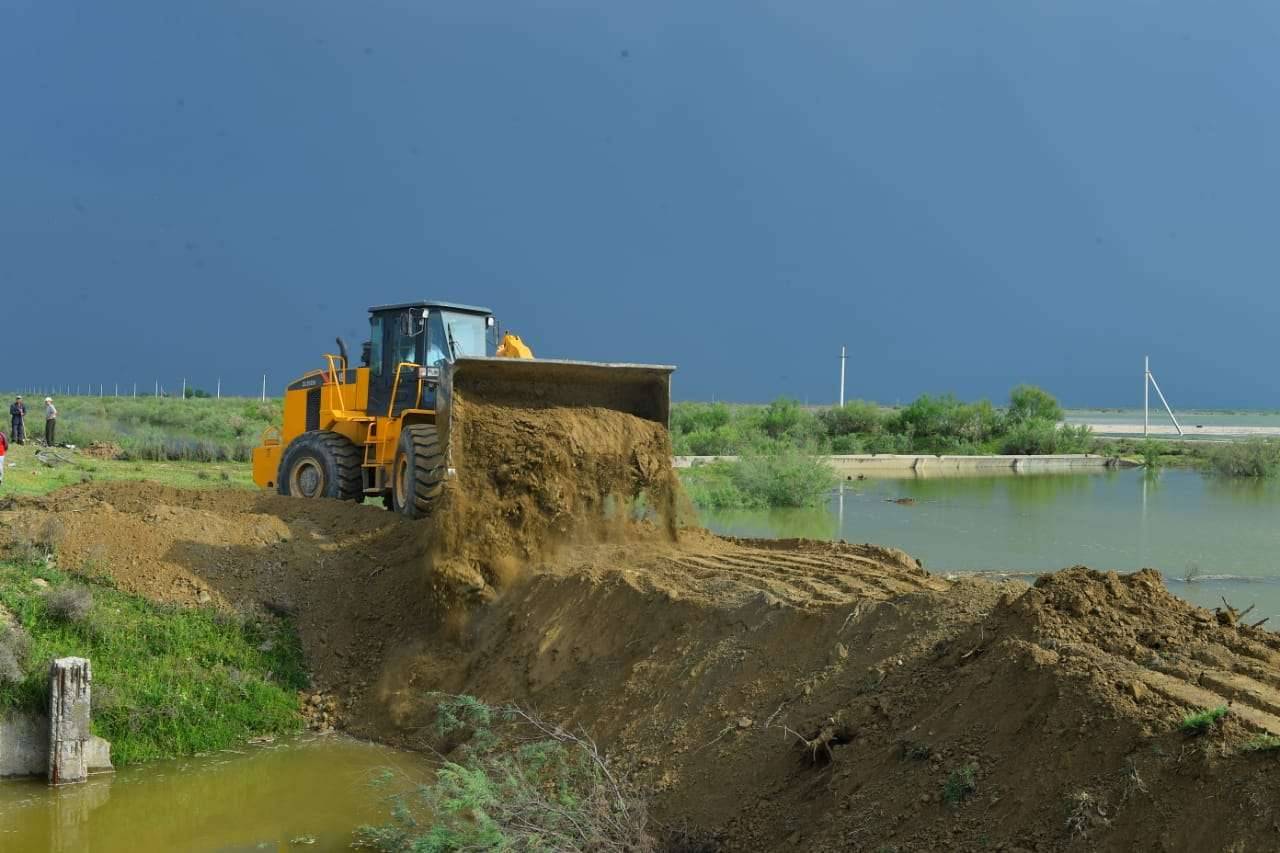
[(532, 479)]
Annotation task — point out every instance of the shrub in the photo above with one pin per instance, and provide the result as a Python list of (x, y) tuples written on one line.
[(1254, 457), (528, 785), (856, 417), (1029, 403), (961, 784), (69, 603), (784, 479)]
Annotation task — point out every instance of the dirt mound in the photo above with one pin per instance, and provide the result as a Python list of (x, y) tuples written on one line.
[(103, 450)]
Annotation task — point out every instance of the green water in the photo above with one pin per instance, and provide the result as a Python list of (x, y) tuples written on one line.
[(306, 794), (1223, 534)]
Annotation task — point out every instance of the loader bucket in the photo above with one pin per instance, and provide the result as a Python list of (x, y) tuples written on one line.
[(643, 390)]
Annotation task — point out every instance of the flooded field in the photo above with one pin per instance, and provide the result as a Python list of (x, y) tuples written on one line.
[(1209, 536), (304, 794)]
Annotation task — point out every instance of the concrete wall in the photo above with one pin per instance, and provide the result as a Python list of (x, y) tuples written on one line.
[(24, 747), (917, 465)]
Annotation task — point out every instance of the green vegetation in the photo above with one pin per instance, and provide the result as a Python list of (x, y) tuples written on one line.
[(961, 784), (941, 425), (162, 428), (517, 783), (1201, 722), (26, 475), (777, 442), (167, 681), (1262, 743), (1254, 457), (784, 479)]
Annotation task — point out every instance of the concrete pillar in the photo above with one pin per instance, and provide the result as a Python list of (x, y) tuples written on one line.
[(69, 680)]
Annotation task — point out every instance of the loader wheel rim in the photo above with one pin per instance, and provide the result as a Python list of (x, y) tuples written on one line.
[(306, 480), (402, 481)]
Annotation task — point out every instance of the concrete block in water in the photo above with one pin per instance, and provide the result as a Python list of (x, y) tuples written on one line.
[(69, 687), (24, 745)]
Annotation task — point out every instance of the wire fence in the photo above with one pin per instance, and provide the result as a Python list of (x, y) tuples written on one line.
[(181, 389)]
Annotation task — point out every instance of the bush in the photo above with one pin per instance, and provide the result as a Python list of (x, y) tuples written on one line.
[(1029, 403), (69, 603), (519, 784), (1038, 436), (1254, 457), (856, 417), (784, 479)]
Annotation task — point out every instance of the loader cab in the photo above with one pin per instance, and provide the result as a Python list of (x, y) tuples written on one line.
[(413, 335)]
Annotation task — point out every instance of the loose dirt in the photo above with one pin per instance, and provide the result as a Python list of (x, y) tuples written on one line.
[(770, 695)]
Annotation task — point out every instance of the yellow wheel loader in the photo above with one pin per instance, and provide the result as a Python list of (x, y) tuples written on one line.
[(381, 429)]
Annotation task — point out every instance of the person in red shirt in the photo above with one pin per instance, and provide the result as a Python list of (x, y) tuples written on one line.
[(4, 446)]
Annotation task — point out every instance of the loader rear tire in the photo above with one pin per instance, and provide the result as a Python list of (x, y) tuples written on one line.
[(321, 464), (418, 475)]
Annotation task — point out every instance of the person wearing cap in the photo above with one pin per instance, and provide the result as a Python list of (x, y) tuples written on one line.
[(18, 420), (50, 421)]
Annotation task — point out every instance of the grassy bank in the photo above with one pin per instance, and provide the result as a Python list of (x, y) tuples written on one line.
[(1251, 457), (26, 475), (783, 479), (1029, 423), (160, 428), (167, 681)]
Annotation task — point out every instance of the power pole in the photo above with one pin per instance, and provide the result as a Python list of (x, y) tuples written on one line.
[(1146, 394), (219, 387), (184, 388), (843, 358), (264, 387)]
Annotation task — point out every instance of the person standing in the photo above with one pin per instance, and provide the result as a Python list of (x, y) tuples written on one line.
[(4, 445), (50, 421), (18, 420)]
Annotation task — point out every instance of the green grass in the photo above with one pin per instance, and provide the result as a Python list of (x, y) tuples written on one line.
[(961, 784), (167, 681), (201, 430), (1262, 743), (24, 475), (1201, 721)]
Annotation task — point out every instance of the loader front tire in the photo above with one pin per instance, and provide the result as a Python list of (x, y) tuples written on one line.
[(418, 475), (321, 464)]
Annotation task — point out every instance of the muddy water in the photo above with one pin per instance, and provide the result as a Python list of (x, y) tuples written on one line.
[(1210, 536), (305, 794)]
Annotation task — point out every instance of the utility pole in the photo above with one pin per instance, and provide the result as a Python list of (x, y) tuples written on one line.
[(157, 387), (264, 387), (1146, 394), (219, 387), (184, 388), (135, 389), (843, 358)]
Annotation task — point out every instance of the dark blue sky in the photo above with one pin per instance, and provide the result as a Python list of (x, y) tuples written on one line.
[(968, 195)]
